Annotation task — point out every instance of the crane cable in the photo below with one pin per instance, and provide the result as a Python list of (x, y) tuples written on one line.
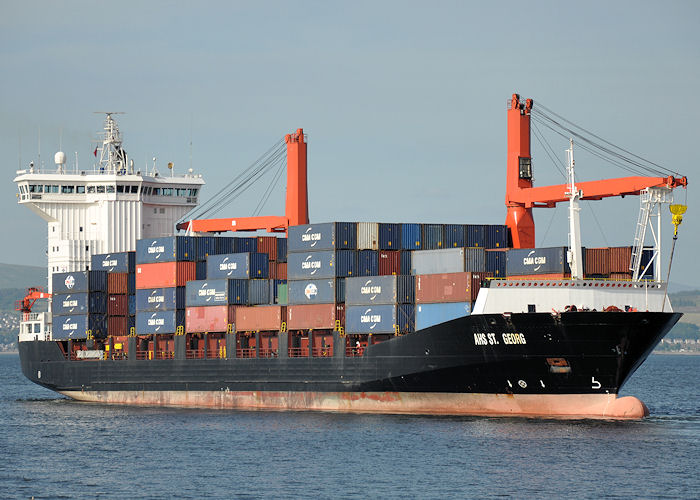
[(607, 153), (240, 183), (677, 212)]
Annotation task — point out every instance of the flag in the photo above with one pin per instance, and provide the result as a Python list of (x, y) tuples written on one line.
[(95, 152)]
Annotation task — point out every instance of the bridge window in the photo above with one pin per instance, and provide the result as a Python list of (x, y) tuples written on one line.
[(36, 188), (100, 189), (110, 189), (156, 191), (193, 192), (120, 188), (80, 189), (167, 191), (67, 189), (134, 189), (91, 189)]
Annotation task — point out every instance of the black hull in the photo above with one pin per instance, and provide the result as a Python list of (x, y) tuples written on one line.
[(600, 352)]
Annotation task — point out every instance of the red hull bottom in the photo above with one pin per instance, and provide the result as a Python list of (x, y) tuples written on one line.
[(604, 406)]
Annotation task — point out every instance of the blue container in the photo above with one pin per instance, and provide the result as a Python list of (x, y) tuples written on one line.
[(406, 261), (119, 262), (200, 270), (380, 290), (245, 245), (282, 250), (380, 318), (433, 236), (76, 326), (367, 263), (249, 292), (411, 237), (454, 236), (474, 235), (224, 245), (165, 249), (433, 314), (496, 262), (79, 303), (238, 265), (80, 281), (389, 236), (206, 245), (319, 265), (131, 283), (496, 236), (313, 291), (474, 260), (148, 322), (160, 299), (647, 254), (131, 300), (324, 236), (525, 261), (340, 284)]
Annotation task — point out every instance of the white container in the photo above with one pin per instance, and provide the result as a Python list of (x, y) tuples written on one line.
[(368, 236)]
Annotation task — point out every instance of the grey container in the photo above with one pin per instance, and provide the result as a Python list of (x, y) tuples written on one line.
[(324, 236), (380, 318), (313, 291), (474, 260), (79, 303), (237, 266), (77, 326), (448, 260), (369, 290), (80, 281), (319, 265), (526, 261)]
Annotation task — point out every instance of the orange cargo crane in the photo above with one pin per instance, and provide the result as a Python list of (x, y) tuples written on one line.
[(296, 207), (522, 197), (33, 294)]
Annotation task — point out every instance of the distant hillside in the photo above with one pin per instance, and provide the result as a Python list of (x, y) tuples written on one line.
[(15, 276)]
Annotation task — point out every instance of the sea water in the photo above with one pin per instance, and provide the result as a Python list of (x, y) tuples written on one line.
[(51, 447)]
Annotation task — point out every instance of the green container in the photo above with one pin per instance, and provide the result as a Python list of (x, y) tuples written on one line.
[(282, 294)]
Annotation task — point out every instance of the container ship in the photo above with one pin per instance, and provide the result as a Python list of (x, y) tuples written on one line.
[(457, 319)]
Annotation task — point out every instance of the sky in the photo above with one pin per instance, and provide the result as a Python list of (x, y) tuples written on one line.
[(404, 103)]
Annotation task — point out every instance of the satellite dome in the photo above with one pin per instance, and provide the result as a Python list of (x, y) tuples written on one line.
[(59, 158)]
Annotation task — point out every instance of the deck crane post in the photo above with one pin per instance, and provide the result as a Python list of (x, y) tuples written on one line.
[(296, 206)]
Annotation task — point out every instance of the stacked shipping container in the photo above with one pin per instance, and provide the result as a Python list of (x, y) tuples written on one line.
[(79, 305), (121, 289)]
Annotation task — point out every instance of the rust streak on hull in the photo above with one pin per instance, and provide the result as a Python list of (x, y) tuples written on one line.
[(602, 406)]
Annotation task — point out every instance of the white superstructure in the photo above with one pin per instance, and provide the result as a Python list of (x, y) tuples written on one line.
[(104, 209)]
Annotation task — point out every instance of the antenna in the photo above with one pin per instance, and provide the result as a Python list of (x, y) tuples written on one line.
[(191, 119), (39, 161)]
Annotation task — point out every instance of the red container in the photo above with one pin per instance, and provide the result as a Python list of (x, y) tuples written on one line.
[(389, 262), (268, 245), (272, 271), (206, 319), (315, 316), (164, 274), (257, 318), (117, 305), (620, 258), (621, 276), (597, 261), (280, 270), (476, 280), (117, 282), (117, 325), (449, 287), (550, 276)]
